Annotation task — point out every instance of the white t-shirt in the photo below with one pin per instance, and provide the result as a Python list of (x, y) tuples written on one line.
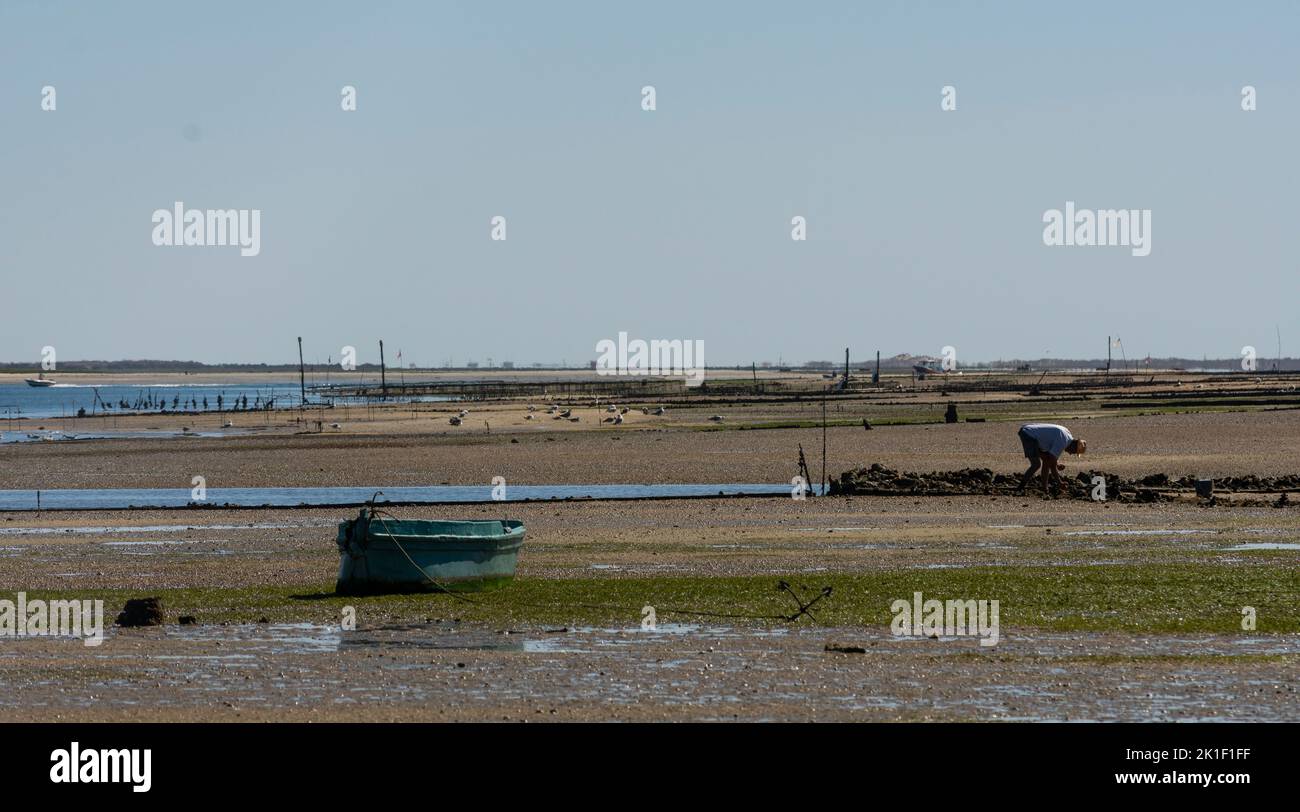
[(1050, 437)]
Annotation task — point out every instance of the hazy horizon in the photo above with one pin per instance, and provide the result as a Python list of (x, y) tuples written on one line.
[(1119, 361), (924, 227)]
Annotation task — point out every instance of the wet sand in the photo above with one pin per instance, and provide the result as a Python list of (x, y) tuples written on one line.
[(429, 666), (675, 448), (439, 672), (159, 549)]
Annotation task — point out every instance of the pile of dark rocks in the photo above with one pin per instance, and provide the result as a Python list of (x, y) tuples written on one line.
[(879, 480)]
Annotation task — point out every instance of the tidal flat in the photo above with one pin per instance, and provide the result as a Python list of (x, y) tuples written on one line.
[(1180, 609)]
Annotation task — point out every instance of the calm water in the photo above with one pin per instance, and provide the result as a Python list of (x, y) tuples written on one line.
[(63, 400), (291, 497)]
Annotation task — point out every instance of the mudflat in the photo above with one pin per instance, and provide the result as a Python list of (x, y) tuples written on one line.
[(421, 448), (670, 608)]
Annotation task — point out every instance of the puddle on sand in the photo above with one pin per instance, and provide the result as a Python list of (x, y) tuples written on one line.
[(155, 528), (47, 435), (577, 640), (1151, 532), (151, 543), (64, 498), (420, 636), (1264, 545), (300, 638), (270, 638), (831, 529)]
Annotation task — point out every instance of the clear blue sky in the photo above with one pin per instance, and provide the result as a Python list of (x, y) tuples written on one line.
[(924, 227)]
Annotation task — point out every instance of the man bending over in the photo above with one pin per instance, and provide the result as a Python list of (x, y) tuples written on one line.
[(1043, 444)]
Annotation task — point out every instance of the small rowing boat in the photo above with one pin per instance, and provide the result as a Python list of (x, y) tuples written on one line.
[(382, 554)]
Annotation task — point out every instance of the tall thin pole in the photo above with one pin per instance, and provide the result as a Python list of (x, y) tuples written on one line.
[(383, 379), (823, 490), (302, 376), (846, 365), (875, 380)]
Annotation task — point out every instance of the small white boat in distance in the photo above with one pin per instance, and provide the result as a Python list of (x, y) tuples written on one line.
[(39, 380)]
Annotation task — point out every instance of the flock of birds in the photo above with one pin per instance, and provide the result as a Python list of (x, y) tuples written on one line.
[(614, 411)]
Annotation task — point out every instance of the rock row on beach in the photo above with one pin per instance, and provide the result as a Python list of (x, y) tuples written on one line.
[(879, 479)]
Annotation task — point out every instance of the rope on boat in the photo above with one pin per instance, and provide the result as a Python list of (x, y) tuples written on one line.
[(375, 514), (804, 607)]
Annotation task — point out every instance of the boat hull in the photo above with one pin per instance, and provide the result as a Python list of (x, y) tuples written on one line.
[(390, 555)]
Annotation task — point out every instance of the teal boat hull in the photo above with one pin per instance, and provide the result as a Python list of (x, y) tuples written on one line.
[(378, 555)]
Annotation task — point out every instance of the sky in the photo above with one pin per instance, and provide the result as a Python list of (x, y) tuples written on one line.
[(924, 226)]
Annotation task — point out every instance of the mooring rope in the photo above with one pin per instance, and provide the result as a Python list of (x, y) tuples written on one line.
[(375, 514)]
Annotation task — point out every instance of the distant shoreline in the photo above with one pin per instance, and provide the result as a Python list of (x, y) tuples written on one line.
[(193, 370), (318, 376)]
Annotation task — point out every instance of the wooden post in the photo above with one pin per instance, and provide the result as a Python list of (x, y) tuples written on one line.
[(302, 376), (823, 490), (383, 380)]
